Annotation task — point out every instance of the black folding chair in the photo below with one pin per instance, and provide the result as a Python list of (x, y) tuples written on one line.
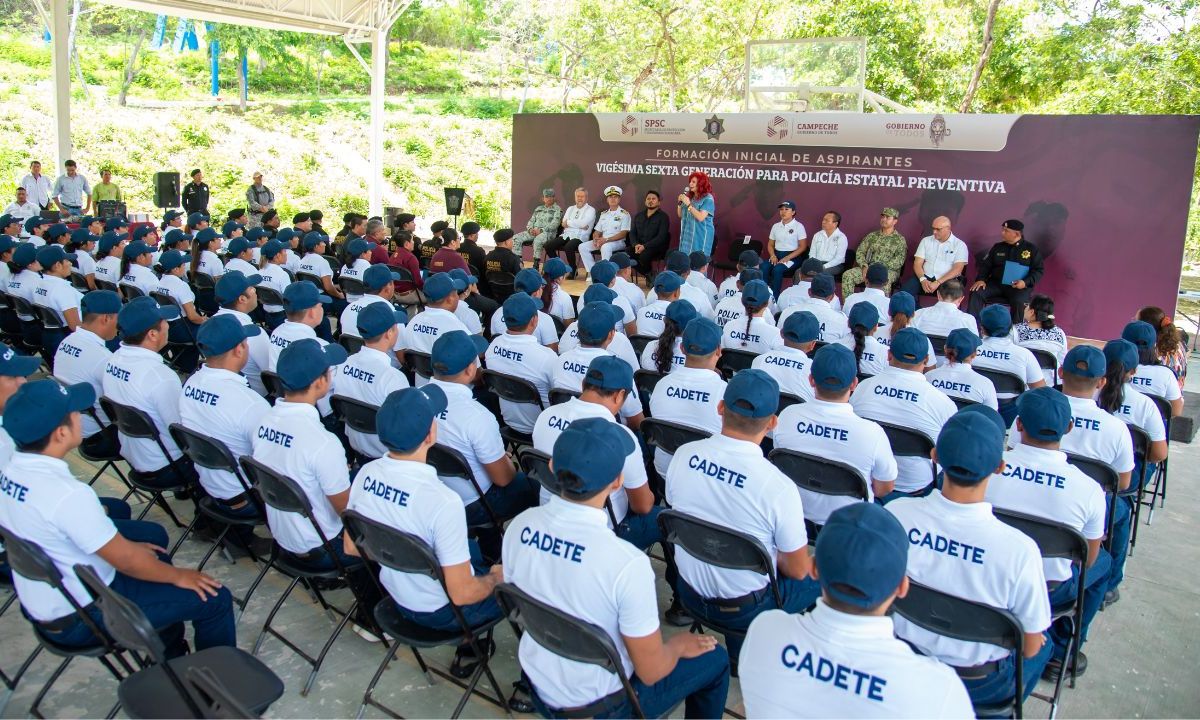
[(732, 361), (1109, 480), (268, 295), (79, 281), (1141, 449), (131, 291), (639, 343), (501, 284), (1047, 361), (1056, 540), (518, 391), (352, 343), (786, 400), (405, 553), (108, 285), (309, 277), (450, 463), (1158, 491), (33, 345), (969, 621), (938, 342), (558, 396), (645, 381), (358, 416), (215, 700), (560, 326), (907, 442), (158, 690), (961, 402), (274, 387), (174, 346), (1004, 381), (350, 286), (421, 363), (821, 476), (569, 637), (406, 276), (536, 464), (31, 562), (669, 436)]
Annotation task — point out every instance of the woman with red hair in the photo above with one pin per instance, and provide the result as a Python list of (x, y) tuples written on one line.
[(697, 208)]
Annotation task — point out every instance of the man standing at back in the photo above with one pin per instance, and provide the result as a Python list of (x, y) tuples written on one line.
[(71, 192), (38, 186), (195, 194)]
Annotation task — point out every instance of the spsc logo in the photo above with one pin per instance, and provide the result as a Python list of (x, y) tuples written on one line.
[(777, 128), (629, 126)]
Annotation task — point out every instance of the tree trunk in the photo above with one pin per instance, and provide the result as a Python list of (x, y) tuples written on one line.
[(984, 53), (525, 85), (131, 67)]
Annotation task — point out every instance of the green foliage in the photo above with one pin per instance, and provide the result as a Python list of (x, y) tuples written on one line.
[(195, 136)]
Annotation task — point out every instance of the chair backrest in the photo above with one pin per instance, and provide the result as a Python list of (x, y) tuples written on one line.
[(639, 343), (351, 286), (511, 388), (403, 272), (1141, 441), (357, 414), (668, 436), (449, 462), (560, 327), (352, 343), (1164, 410), (106, 285), (272, 383), (960, 619), (733, 360), (207, 452), (202, 280), (30, 561), (717, 545), (1003, 380), (786, 400), (392, 548), (735, 248), (558, 396), (421, 363), (1101, 472), (215, 700), (820, 475), (49, 317), (938, 342), (123, 620), (906, 442), (536, 465), (131, 291), (277, 491), (79, 281), (962, 402), (1054, 539), (1046, 360), (645, 381), (501, 284), (131, 421), (268, 295), (23, 306), (309, 277), (163, 299)]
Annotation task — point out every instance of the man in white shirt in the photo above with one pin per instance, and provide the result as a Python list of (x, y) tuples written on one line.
[(959, 547), (789, 365), (874, 293), (624, 284), (56, 293), (999, 352), (651, 317), (595, 328), (827, 428), (34, 229), (698, 277), (612, 227), (305, 308), (829, 244), (530, 282), (37, 186), (83, 356), (577, 224), (23, 208), (438, 317), (726, 480), (938, 258), (518, 353), (786, 243), (747, 260), (956, 378), (944, 316), (843, 659), (901, 396), (368, 375), (831, 324), (690, 395), (798, 293), (563, 554), (236, 295)]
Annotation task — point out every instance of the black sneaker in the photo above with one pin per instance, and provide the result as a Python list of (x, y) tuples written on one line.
[(1055, 666), (465, 659), (1112, 597), (537, 264), (676, 616)]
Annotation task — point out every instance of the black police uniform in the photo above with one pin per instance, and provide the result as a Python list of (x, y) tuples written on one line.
[(991, 271), (195, 198)]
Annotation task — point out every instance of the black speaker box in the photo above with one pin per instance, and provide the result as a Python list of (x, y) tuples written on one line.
[(166, 189)]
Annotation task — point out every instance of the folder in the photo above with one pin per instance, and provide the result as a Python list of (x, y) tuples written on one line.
[(1014, 272)]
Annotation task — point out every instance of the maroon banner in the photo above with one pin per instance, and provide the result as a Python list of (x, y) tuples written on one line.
[(1105, 197)]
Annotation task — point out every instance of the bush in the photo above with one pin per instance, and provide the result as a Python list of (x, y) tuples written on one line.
[(195, 136)]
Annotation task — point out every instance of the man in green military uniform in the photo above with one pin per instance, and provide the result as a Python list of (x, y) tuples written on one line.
[(994, 267), (884, 245), (542, 226)]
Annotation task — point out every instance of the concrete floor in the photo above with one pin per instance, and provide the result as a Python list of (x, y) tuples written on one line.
[(1142, 652)]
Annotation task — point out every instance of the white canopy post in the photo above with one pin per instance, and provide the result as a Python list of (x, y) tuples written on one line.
[(379, 51), (61, 80)]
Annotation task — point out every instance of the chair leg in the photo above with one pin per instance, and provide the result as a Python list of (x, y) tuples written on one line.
[(58, 671), (1163, 500), (367, 700), (186, 531), (278, 604), (213, 548), (325, 650), (254, 585), (424, 668)]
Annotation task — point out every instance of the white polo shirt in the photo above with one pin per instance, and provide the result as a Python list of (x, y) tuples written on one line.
[(348, 322), (829, 249), (1001, 353), (791, 368), (701, 282), (905, 398), (314, 264), (1042, 483), (875, 296), (137, 377), (408, 497), (367, 376), (292, 442), (729, 286), (242, 266), (260, 352), (631, 292), (874, 355), (677, 357), (960, 380), (59, 295), (109, 268), (965, 551), (573, 366), (692, 294), (423, 329), (941, 318), (42, 502), (524, 357), (651, 319), (832, 324), (141, 277), (1156, 380), (545, 331), (292, 263), (210, 264), (551, 423), (729, 482), (82, 357), (1097, 435), (687, 396), (787, 236), (276, 278), (1137, 410), (24, 285), (827, 663), (468, 427), (939, 257), (578, 221), (560, 303), (287, 333), (220, 404), (468, 317), (564, 555), (628, 314), (731, 308), (759, 337), (619, 345), (832, 431), (355, 272), (177, 289), (86, 264)]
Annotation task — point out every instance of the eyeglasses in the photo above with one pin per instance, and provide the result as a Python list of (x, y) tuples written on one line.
[(944, 227)]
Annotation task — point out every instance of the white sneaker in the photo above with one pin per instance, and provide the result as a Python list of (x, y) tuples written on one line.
[(368, 635)]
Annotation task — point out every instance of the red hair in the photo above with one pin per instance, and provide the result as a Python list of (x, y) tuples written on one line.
[(703, 186)]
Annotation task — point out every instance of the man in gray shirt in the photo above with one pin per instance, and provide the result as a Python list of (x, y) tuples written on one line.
[(259, 199), (71, 192)]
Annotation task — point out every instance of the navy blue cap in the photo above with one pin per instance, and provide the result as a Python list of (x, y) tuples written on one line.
[(863, 560), (237, 246), (597, 320), (678, 262), (313, 239), (962, 341), (1045, 414), (621, 260), (13, 364), (462, 279), (207, 235), (811, 266), (970, 447), (85, 220), (864, 314), (701, 336), (609, 372), (681, 312), (438, 286), (6, 243), (555, 268), (378, 276), (589, 455), (142, 313), (231, 227), (100, 302), (406, 416), (271, 248), (821, 286), (173, 238), (598, 293), (35, 221), (518, 309), (667, 282), (453, 351), (528, 281), (877, 273), (79, 236), (902, 303), (377, 318), (108, 241), (834, 368), (116, 223), (752, 393), (755, 294), (222, 333), (172, 259), (234, 284), (356, 247), (143, 230), (749, 258), (787, 204), (910, 346), (286, 235), (48, 255), (603, 272), (135, 249), (304, 361), (1141, 333), (255, 234), (6, 220), (1121, 352), (38, 407), (987, 412), (1084, 361), (24, 255), (57, 230), (996, 320), (196, 218), (748, 275), (801, 327), (170, 215), (697, 259), (302, 295)]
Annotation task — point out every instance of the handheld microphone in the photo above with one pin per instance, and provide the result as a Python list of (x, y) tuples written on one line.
[(679, 203)]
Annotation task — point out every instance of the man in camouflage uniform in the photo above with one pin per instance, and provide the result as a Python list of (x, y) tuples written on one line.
[(885, 245), (542, 226)]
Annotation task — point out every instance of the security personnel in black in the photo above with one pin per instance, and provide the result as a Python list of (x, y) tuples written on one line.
[(195, 194), (426, 248), (989, 283), (473, 254), (502, 259)]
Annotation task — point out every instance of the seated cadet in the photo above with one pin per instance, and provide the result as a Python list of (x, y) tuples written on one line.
[(368, 375), (468, 427), (901, 308), (528, 281), (843, 659), (689, 396), (698, 277), (666, 353), (869, 353), (1135, 408), (1099, 436), (874, 293), (596, 334), (14, 371), (56, 292), (826, 427), (789, 365), (679, 263), (798, 293), (998, 351), (563, 554), (379, 282), (136, 263), (82, 357), (650, 317), (747, 260), (241, 256), (901, 396), (726, 480), (1037, 480), (820, 303), (358, 260), (438, 317), (46, 505), (305, 306), (236, 295), (604, 274), (473, 308), (403, 492), (960, 548), (1152, 377), (752, 333), (956, 378), (944, 315), (218, 402), (183, 328), (276, 277), (624, 284), (137, 376), (518, 353), (23, 284), (555, 299), (314, 263), (730, 309)]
